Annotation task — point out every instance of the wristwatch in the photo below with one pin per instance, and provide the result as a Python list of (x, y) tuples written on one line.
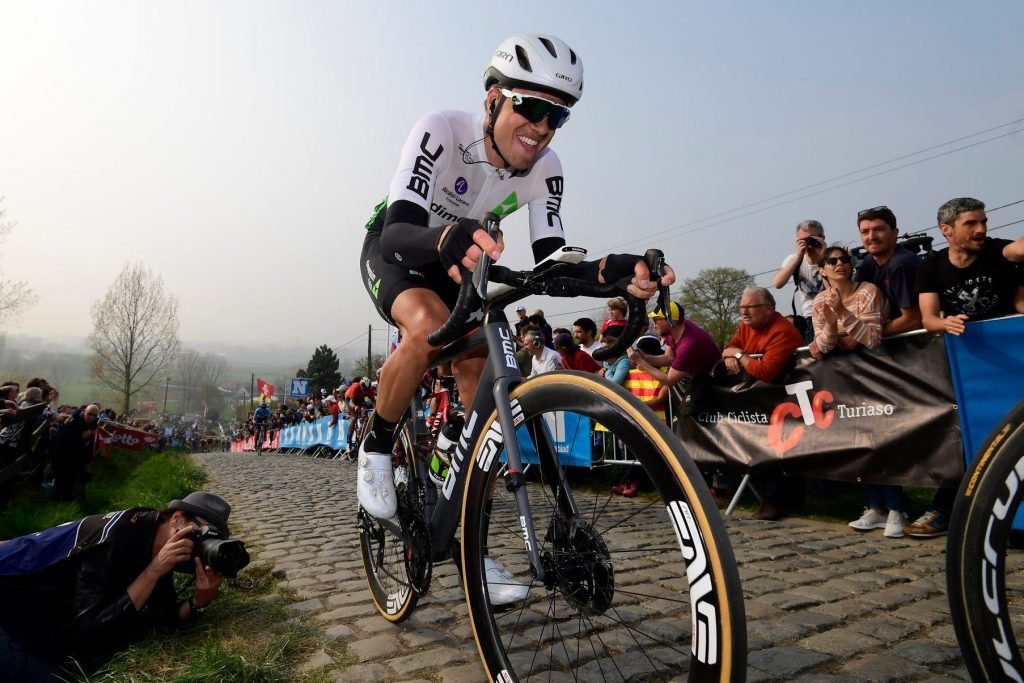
[(738, 355), (196, 609)]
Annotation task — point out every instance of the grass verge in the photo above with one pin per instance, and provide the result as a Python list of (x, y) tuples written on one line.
[(246, 636)]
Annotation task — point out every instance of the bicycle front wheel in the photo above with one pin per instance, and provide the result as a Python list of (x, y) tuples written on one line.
[(984, 576), (642, 588)]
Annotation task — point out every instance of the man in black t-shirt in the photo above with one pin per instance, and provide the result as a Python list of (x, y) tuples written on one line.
[(890, 267), (976, 277)]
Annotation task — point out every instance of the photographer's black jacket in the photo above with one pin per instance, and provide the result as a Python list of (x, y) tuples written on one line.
[(64, 590)]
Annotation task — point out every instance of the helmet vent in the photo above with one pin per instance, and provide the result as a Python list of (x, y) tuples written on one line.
[(524, 59), (572, 57), (549, 45)]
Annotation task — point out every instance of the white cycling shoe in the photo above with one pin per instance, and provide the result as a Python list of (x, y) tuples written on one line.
[(502, 588), (375, 484)]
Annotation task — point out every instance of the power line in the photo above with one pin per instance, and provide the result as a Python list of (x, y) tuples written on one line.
[(678, 291), (680, 229)]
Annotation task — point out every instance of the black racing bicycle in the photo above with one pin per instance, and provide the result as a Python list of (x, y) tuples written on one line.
[(610, 589), (261, 436), (984, 560)]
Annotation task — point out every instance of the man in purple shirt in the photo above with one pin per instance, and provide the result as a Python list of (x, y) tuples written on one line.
[(691, 350)]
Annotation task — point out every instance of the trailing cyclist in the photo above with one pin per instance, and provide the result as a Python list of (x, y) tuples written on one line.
[(260, 424), (358, 399), (454, 167)]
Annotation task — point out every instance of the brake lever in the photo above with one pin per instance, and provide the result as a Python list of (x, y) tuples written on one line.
[(491, 224), (655, 260)]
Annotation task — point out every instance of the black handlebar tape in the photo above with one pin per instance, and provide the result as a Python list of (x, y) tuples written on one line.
[(655, 260)]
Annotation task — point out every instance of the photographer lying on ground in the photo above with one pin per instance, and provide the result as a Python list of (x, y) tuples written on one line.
[(84, 589)]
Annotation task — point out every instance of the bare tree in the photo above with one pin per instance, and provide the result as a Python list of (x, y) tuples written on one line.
[(135, 332), (215, 368), (15, 297), (190, 373)]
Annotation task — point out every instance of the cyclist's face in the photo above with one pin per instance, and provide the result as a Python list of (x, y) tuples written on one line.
[(519, 140)]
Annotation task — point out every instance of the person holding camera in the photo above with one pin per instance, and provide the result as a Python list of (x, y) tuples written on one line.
[(75, 593), (803, 269)]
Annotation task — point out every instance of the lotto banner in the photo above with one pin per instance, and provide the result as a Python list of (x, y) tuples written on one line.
[(112, 435), (883, 416)]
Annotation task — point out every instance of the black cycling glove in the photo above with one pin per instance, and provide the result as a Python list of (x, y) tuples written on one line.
[(456, 243)]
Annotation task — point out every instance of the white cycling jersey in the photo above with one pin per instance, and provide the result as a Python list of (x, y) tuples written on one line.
[(444, 170)]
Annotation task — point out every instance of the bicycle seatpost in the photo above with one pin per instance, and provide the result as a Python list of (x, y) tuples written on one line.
[(655, 260)]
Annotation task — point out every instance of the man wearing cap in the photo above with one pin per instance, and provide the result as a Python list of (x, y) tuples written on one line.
[(692, 352), (84, 589), (521, 312)]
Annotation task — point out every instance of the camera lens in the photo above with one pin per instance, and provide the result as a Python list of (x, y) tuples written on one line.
[(226, 557)]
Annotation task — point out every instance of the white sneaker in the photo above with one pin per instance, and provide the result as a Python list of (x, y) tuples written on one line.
[(869, 520), (375, 484), (502, 588), (894, 525)]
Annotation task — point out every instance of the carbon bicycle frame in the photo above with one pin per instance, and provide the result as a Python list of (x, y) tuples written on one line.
[(501, 373)]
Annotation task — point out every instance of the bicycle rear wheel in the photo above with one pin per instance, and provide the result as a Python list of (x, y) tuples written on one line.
[(984, 576), (640, 588), (386, 555)]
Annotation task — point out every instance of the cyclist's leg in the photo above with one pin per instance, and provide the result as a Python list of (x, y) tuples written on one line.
[(418, 302), (467, 373)]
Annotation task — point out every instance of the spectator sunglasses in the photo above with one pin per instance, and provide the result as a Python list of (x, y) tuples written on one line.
[(534, 109), (835, 260)]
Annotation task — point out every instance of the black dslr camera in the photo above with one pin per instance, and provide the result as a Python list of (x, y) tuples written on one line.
[(214, 549), (812, 242)]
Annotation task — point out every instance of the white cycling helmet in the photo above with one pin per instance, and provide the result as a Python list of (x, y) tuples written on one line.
[(537, 62)]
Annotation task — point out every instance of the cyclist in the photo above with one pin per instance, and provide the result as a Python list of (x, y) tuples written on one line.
[(454, 167), (260, 422), (358, 397)]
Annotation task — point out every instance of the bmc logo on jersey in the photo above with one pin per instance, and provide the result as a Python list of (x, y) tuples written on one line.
[(424, 167)]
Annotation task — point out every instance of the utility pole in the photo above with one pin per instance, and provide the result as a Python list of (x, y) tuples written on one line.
[(252, 384), (167, 385), (369, 355)]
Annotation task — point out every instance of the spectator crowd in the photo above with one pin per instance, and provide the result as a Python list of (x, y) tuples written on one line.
[(53, 444), (839, 305)]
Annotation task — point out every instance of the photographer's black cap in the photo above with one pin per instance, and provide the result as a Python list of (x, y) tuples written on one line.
[(210, 507)]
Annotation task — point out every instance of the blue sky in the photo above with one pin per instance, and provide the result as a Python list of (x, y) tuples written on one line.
[(239, 147)]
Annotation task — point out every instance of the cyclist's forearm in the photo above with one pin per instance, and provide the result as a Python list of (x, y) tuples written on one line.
[(406, 234)]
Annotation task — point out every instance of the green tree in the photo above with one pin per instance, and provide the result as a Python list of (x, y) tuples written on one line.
[(322, 369), (359, 367), (711, 299)]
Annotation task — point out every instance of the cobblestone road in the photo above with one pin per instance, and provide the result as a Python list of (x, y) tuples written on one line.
[(824, 602)]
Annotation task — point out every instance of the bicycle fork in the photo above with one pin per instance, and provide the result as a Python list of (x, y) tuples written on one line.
[(509, 417)]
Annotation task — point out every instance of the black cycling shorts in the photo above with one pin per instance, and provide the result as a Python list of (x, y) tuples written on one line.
[(385, 281)]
